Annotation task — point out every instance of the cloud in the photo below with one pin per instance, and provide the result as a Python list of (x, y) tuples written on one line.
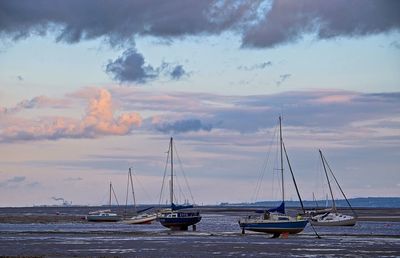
[(182, 126), (12, 181), (282, 79), (178, 72), (395, 44), (33, 184), (73, 179), (318, 110), (120, 21), (256, 66), (36, 102), (99, 120), (131, 67), (287, 21), (260, 23)]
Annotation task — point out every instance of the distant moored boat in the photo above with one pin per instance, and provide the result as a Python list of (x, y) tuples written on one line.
[(331, 217)]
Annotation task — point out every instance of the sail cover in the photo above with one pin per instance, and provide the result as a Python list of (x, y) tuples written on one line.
[(280, 208), (179, 207)]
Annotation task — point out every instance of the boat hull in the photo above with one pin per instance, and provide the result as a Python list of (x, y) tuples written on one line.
[(275, 227), (179, 220), (333, 219), (141, 220), (179, 223), (96, 218), (348, 223)]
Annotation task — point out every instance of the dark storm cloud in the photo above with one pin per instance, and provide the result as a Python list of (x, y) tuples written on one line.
[(121, 21), (288, 20), (183, 126)]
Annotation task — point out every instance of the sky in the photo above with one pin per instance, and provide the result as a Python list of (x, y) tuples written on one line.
[(91, 88)]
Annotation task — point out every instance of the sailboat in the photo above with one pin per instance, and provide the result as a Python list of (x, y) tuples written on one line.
[(276, 221), (178, 217), (104, 215), (331, 217), (140, 217)]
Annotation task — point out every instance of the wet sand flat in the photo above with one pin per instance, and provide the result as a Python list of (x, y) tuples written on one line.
[(181, 244), (63, 233)]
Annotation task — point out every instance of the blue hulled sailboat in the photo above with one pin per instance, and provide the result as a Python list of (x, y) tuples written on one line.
[(177, 217), (276, 221)]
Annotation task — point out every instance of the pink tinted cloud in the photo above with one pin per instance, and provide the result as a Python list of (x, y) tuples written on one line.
[(336, 98), (99, 120)]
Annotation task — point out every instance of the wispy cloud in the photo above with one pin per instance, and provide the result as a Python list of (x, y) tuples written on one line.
[(311, 111), (255, 67), (73, 179), (36, 102), (16, 180), (282, 79), (395, 44)]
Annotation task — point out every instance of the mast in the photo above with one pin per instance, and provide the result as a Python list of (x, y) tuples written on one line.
[(281, 147), (329, 183), (133, 191), (341, 190), (172, 172), (109, 201)]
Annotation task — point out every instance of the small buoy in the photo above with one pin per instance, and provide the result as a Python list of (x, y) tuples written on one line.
[(285, 235)]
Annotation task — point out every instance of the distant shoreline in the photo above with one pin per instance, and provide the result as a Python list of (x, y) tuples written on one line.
[(76, 214)]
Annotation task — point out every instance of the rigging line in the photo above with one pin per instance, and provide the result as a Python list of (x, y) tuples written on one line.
[(141, 186), (183, 172), (180, 191), (329, 183), (330, 170), (115, 196), (264, 168), (294, 180), (163, 182)]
